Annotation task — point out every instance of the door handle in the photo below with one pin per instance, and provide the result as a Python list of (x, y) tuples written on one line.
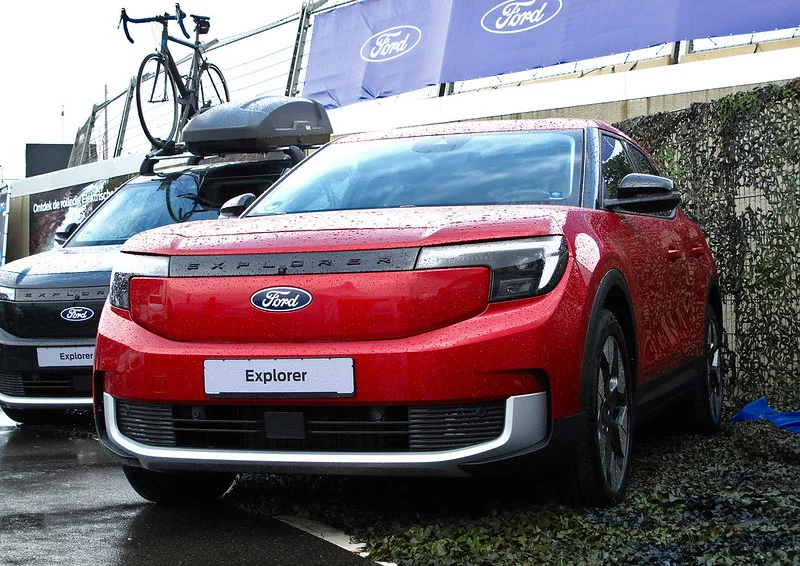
[(674, 254), (697, 251)]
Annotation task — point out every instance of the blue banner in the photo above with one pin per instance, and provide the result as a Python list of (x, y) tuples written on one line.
[(493, 37), (374, 49), (379, 48)]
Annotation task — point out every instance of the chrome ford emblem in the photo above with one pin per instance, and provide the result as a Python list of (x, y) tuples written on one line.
[(77, 314), (390, 43), (515, 16), (281, 299)]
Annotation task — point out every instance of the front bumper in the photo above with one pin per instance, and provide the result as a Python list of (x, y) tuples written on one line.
[(526, 427), (25, 385)]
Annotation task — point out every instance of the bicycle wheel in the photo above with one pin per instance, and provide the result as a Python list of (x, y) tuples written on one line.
[(156, 100), (213, 88)]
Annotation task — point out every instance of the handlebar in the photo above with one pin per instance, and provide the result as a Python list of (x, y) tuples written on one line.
[(124, 18)]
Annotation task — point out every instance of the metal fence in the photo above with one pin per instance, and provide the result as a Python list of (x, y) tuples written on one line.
[(272, 59), (737, 163)]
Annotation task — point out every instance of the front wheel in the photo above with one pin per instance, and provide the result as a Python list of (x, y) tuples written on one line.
[(213, 89), (600, 476), (156, 100), (178, 488)]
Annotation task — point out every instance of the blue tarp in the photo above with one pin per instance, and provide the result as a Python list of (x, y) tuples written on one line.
[(760, 410)]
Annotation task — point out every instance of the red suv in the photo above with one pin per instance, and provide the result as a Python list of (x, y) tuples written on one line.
[(476, 298)]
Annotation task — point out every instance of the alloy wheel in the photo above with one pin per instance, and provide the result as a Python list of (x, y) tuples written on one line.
[(713, 369), (613, 415)]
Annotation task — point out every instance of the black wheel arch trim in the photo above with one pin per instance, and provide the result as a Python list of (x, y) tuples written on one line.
[(611, 281)]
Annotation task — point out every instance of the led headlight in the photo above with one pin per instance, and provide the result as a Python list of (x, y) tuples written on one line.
[(520, 268), (7, 293), (127, 266)]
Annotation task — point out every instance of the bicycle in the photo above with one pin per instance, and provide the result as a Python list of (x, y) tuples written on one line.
[(161, 89)]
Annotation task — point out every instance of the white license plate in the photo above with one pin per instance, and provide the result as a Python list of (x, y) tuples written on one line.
[(279, 377), (65, 357)]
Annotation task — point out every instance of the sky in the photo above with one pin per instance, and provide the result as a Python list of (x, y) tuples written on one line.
[(58, 54)]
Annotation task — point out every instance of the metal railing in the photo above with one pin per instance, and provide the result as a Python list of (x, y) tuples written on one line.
[(272, 59)]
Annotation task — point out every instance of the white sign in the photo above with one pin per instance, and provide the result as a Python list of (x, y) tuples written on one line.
[(65, 357), (284, 377)]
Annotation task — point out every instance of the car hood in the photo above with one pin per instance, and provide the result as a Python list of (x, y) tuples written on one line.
[(351, 230), (85, 266)]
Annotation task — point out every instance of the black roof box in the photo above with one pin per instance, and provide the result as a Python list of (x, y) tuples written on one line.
[(258, 125)]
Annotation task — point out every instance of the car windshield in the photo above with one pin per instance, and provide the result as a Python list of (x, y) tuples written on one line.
[(538, 167), (143, 205)]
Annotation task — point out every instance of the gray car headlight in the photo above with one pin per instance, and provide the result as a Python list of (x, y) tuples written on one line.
[(520, 268), (127, 266)]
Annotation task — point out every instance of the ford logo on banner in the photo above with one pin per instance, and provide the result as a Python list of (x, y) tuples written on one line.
[(281, 299), (515, 16), (390, 44), (77, 314)]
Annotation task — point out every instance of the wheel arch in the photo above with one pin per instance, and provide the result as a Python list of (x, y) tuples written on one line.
[(714, 296), (613, 295)]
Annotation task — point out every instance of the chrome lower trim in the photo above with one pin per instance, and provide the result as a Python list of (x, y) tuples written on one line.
[(526, 424), (45, 402)]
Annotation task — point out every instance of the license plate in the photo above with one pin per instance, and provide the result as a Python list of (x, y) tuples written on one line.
[(279, 377), (65, 357)]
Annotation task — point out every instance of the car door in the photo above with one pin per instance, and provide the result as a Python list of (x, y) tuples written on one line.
[(688, 312), (652, 251)]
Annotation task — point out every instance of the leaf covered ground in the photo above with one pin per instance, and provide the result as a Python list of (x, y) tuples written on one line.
[(729, 499)]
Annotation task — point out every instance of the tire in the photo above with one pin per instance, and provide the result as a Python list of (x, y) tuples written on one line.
[(178, 488), (705, 407), (600, 474), (34, 416), (156, 100), (213, 89)]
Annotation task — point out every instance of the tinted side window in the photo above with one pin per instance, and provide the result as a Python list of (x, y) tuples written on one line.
[(615, 165), (640, 161)]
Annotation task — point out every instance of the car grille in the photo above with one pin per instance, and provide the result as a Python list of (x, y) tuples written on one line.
[(50, 384), (43, 319), (326, 429)]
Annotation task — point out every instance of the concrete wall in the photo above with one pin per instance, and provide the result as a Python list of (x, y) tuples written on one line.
[(611, 112)]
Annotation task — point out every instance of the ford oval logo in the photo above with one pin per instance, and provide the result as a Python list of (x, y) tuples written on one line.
[(515, 16), (281, 299), (77, 314), (390, 44)]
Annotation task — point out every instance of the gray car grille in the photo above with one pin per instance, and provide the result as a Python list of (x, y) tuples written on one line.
[(326, 429)]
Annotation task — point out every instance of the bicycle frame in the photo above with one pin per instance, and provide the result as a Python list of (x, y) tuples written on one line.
[(187, 91)]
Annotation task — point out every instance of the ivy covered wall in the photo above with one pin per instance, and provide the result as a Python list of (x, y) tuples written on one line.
[(736, 162)]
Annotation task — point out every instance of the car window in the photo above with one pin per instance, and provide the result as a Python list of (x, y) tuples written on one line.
[(542, 167), (615, 165), (141, 206), (640, 161)]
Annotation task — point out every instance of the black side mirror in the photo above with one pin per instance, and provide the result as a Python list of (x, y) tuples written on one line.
[(235, 206), (645, 194), (63, 235)]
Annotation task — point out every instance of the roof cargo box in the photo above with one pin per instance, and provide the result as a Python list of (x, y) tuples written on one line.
[(258, 125)]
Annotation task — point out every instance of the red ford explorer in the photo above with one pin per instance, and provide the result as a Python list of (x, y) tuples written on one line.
[(478, 298)]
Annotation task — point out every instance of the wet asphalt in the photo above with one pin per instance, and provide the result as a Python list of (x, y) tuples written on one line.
[(63, 500)]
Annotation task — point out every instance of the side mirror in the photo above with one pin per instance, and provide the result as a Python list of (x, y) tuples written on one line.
[(645, 194), (235, 206), (63, 235)]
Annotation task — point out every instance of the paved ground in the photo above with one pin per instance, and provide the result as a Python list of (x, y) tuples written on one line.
[(64, 501)]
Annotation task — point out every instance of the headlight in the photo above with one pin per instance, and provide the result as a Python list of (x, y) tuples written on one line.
[(132, 265), (7, 293), (520, 268)]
